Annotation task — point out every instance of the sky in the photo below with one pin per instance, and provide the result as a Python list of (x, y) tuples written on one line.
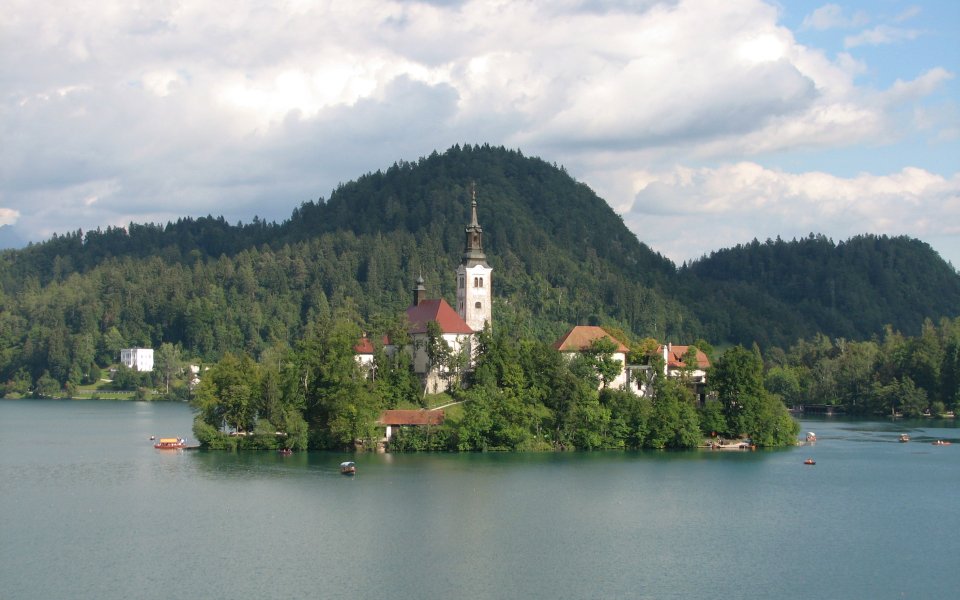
[(704, 123)]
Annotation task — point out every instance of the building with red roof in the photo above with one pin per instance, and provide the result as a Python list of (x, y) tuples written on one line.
[(457, 328), (581, 338)]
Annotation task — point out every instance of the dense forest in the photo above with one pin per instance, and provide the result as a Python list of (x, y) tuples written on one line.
[(560, 256)]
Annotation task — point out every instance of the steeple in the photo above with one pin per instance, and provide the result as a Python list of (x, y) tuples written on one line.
[(419, 292), (474, 284), (473, 249)]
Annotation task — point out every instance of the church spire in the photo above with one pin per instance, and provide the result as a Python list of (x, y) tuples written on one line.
[(473, 250)]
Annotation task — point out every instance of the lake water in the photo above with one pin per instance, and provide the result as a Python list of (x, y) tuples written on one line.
[(88, 509)]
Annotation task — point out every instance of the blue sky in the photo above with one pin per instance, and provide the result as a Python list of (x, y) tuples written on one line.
[(703, 123)]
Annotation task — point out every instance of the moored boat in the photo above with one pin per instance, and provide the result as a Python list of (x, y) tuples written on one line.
[(904, 438), (170, 444), (348, 467), (941, 443), (811, 437), (809, 461)]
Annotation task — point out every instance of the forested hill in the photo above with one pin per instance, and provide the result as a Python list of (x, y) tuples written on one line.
[(561, 257), (848, 289)]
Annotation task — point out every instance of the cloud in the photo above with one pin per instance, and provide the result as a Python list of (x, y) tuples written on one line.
[(115, 112), (831, 16), (879, 35), (8, 216), (750, 201)]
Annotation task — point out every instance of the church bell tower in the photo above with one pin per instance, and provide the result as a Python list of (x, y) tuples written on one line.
[(474, 285)]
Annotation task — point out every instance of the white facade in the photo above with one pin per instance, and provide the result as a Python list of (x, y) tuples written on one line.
[(474, 295), (434, 380), (138, 359)]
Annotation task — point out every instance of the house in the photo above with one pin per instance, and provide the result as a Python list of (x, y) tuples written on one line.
[(580, 338), (393, 420), (364, 352), (674, 365), (137, 359)]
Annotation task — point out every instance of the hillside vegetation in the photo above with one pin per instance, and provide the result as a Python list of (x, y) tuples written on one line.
[(560, 255)]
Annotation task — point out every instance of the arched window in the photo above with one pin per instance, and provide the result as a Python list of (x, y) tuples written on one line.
[(476, 282), (481, 282)]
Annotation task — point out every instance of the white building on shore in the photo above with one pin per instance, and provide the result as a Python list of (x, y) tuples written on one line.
[(137, 359)]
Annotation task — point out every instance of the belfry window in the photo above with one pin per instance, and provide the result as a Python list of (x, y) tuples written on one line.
[(477, 305), (481, 282)]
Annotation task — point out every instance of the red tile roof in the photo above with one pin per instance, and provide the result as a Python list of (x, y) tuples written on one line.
[(439, 311), (580, 337), (365, 346), (676, 354), (411, 417)]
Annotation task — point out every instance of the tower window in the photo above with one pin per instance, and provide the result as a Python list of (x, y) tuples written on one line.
[(476, 282), (481, 282), (460, 282), (477, 305)]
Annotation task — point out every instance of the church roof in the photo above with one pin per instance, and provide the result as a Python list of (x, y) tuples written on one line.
[(580, 337), (439, 311)]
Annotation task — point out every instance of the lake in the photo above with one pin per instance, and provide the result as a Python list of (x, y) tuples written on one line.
[(89, 509)]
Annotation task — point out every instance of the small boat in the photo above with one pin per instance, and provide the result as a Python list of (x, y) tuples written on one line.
[(811, 437), (904, 438), (809, 461), (285, 451), (348, 467), (941, 443), (170, 444)]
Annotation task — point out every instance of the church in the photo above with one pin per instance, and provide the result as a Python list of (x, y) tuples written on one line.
[(457, 328)]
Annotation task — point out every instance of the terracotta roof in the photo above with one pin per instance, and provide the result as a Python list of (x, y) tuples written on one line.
[(580, 337), (365, 346), (676, 354), (411, 417), (439, 311)]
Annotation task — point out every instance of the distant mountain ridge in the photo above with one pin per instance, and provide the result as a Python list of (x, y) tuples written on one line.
[(560, 255)]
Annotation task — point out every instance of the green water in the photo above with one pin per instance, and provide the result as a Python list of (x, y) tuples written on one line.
[(88, 509)]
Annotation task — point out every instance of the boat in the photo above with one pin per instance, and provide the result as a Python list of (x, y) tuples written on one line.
[(941, 443), (809, 461), (348, 467), (904, 437), (171, 444), (285, 451), (811, 437)]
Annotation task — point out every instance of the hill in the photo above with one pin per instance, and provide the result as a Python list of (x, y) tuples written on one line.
[(560, 256), (849, 289)]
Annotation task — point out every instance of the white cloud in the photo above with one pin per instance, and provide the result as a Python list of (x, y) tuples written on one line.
[(113, 111), (879, 35), (750, 201), (8, 216), (831, 16)]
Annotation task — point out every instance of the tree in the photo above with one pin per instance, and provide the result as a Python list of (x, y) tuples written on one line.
[(168, 364), (748, 408), (600, 358)]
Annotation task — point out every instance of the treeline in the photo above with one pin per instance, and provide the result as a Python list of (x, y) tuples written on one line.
[(890, 374), (560, 255), (523, 395), (776, 292)]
